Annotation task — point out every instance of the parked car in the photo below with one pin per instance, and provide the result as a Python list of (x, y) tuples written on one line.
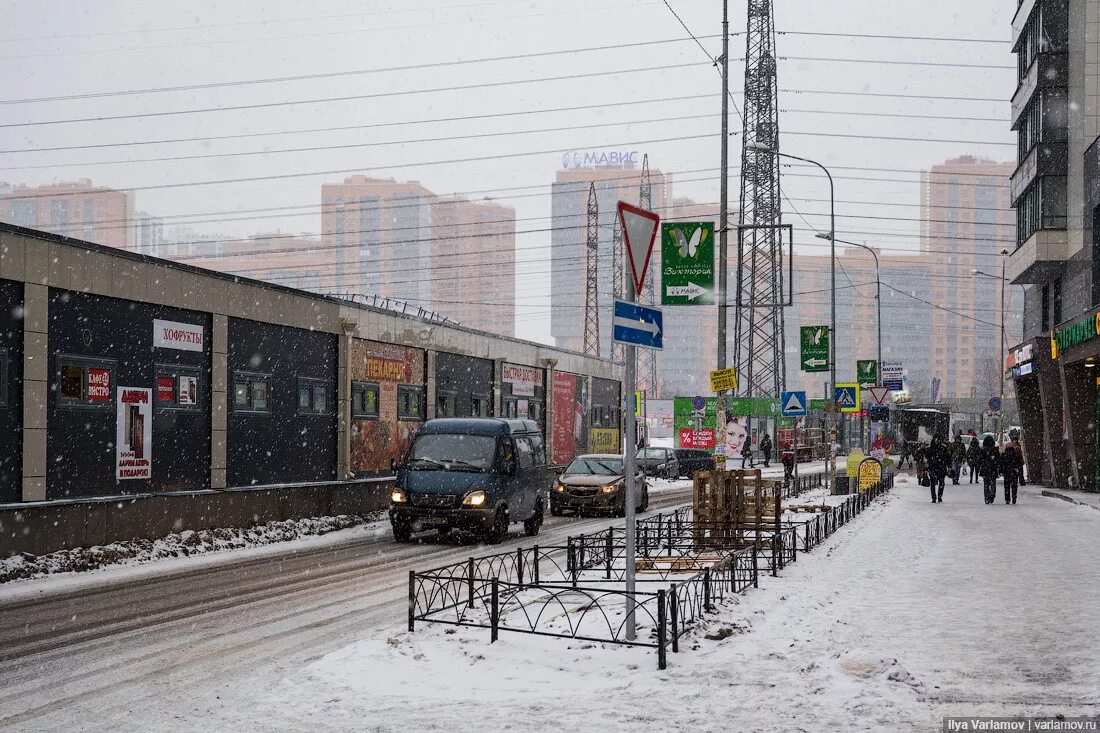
[(658, 462), (477, 474), (595, 483), (692, 460)]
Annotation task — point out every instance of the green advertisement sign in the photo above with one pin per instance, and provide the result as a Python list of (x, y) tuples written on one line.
[(754, 406), (815, 348), (696, 421), (867, 372), (687, 263)]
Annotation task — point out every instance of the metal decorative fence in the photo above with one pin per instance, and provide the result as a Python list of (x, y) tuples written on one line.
[(575, 591)]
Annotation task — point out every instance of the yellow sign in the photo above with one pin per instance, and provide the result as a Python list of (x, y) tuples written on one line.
[(723, 380), (854, 459), (637, 404), (603, 440), (847, 397), (870, 473)]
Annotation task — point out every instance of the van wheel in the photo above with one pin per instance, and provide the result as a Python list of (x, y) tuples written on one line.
[(531, 526), (499, 529), (402, 531)]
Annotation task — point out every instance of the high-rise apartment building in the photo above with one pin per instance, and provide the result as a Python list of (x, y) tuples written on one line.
[(74, 209), (617, 177), (149, 235), (399, 241), (966, 222), (284, 259)]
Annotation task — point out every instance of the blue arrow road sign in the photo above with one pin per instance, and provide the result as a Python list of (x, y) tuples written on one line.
[(638, 325), (794, 404)]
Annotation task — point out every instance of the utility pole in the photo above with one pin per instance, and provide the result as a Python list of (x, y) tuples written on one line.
[(1001, 363), (591, 290), (723, 216)]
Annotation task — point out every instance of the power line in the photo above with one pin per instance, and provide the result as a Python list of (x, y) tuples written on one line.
[(349, 97), (898, 96), (892, 38), (879, 62)]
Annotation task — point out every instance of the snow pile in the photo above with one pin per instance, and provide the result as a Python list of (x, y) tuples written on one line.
[(179, 544)]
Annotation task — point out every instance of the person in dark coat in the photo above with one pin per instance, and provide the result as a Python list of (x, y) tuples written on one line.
[(1011, 468), (958, 458), (988, 466), (766, 449), (974, 459), (938, 463), (746, 452)]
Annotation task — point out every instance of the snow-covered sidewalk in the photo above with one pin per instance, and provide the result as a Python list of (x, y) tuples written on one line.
[(912, 611)]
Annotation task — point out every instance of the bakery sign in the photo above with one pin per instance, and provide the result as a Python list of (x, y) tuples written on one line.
[(523, 379), (174, 335)]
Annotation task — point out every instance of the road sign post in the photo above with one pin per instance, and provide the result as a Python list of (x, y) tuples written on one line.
[(815, 348), (687, 263), (893, 375), (639, 231), (867, 372)]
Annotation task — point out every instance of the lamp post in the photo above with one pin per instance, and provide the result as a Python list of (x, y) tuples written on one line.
[(830, 403), (1001, 363)]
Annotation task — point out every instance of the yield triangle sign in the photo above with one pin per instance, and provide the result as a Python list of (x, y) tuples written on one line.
[(879, 394), (639, 232)]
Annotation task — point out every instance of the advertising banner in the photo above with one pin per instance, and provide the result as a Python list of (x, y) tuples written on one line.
[(134, 434), (570, 395), (188, 390), (99, 385), (174, 335), (870, 473), (604, 440), (695, 421), (687, 263)]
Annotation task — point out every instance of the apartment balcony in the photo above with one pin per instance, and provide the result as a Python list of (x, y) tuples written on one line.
[(1047, 71), (1019, 21), (1040, 257), (1045, 159)]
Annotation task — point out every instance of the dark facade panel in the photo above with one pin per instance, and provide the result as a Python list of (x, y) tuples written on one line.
[(11, 391), (98, 344), (463, 386), (282, 404)]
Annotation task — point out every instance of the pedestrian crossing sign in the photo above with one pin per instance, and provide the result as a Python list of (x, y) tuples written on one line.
[(846, 396)]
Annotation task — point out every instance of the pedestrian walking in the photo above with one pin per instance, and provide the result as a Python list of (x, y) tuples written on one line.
[(746, 452), (973, 459), (1011, 468), (787, 457), (938, 462), (919, 451), (958, 457), (989, 465), (1014, 436), (766, 449)]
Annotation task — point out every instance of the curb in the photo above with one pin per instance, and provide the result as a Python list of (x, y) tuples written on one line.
[(1070, 499)]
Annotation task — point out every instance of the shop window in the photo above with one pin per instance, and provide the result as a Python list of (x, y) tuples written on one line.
[(84, 382), (313, 397), (364, 399), (250, 392), (535, 412), (445, 404), (1045, 305), (1057, 304), (410, 402), (510, 408), (479, 405), (177, 387)]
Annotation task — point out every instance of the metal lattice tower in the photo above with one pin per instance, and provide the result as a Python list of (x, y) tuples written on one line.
[(647, 359), (592, 269), (758, 330), (618, 255)]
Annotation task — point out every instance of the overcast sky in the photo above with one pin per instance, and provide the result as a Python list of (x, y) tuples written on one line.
[(110, 46)]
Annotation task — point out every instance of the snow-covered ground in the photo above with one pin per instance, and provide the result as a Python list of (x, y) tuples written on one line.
[(911, 612)]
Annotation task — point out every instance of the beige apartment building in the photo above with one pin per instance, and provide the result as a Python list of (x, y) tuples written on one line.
[(75, 209)]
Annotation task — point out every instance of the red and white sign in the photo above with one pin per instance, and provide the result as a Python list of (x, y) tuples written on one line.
[(639, 232), (697, 438), (879, 395), (134, 434), (99, 385), (523, 379), (173, 335), (166, 389)]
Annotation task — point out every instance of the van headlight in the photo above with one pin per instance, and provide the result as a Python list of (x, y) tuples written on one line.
[(398, 497), (474, 498)]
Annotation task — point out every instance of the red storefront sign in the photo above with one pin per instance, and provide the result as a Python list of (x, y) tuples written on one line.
[(703, 439), (166, 389), (99, 385)]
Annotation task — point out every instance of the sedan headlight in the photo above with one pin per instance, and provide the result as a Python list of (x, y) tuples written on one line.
[(398, 497), (609, 488), (474, 498), (560, 488)]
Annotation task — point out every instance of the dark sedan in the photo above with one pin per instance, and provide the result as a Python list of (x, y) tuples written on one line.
[(659, 462), (594, 483)]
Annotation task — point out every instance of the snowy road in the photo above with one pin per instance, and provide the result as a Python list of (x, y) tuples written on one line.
[(169, 650), (911, 612)]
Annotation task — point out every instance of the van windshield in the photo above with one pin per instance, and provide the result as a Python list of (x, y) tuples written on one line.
[(452, 452)]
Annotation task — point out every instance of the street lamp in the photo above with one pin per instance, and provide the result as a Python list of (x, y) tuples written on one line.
[(1001, 363), (878, 289), (830, 397)]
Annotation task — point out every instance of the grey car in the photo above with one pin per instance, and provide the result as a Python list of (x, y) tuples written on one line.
[(659, 462)]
